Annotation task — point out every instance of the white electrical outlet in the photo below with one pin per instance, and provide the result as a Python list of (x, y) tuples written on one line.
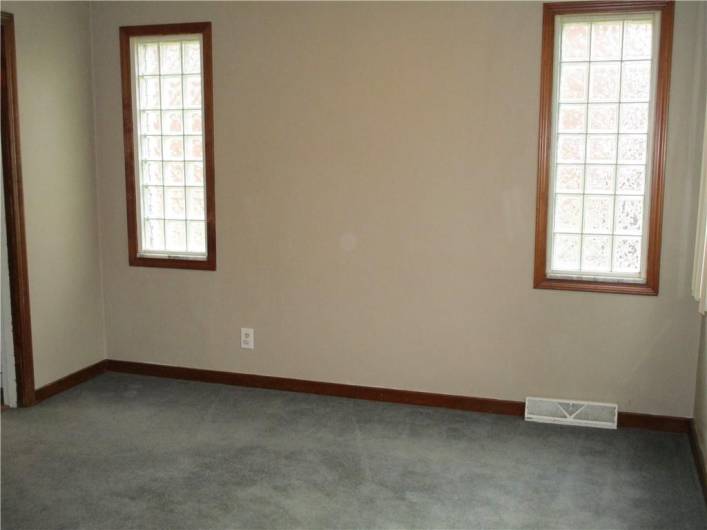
[(247, 338)]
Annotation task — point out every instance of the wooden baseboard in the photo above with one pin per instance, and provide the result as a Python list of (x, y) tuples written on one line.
[(699, 457), (70, 381), (651, 422), (409, 397)]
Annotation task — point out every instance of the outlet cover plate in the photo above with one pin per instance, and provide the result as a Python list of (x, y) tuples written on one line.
[(247, 338)]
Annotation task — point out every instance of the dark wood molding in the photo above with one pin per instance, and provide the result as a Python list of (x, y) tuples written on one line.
[(15, 217), (70, 381), (607, 6), (595, 287), (658, 155), (180, 28), (496, 406), (651, 422), (699, 456), (131, 192), (544, 151), (408, 397), (369, 393)]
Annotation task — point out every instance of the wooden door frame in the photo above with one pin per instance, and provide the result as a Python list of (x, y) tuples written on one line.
[(14, 217)]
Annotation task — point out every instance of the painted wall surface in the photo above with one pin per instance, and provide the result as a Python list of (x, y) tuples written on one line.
[(58, 170), (375, 181)]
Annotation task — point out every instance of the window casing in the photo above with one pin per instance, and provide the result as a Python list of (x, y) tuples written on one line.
[(168, 136), (604, 88)]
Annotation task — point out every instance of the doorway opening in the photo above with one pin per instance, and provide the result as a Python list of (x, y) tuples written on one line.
[(14, 246)]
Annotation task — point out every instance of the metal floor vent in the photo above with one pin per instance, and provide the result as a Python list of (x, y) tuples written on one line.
[(566, 412)]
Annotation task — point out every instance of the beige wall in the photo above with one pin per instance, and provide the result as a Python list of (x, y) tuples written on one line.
[(375, 175), (56, 133)]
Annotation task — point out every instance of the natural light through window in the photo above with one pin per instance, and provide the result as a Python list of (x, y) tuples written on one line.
[(603, 90), (169, 145)]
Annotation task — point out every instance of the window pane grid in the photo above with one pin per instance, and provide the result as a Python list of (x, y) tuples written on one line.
[(601, 138), (171, 147)]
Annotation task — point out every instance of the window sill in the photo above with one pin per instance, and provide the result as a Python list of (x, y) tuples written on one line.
[(596, 287), (208, 264)]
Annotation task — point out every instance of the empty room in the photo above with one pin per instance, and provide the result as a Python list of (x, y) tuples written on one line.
[(353, 265)]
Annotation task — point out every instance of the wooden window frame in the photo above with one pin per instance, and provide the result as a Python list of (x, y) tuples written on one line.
[(191, 28), (658, 154)]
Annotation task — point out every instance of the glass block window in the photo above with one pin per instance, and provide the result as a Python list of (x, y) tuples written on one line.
[(604, 81), (168, 135), (170, 146)]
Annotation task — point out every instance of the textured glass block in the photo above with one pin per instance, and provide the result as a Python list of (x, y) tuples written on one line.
[(575, 42), (569, 179), (192, 122), (572, 118), (152, 173), (151, 148), (596, 253), (172, 122), (170, 58), (194, 173), (632, 148), (192, 57), (627, 254), (566, 249), (195, 203), (153, 235), (634, 118), (600, 179), (174, 203), (176, 235), (606, 40), (631, 180), (197, 236), (153, 202), (174, 173), (150, 122), (192, 91), (148, 59), (570, 148), (598, 214), (629, 215), (573, 82), (604, 82), (636, 81), (149, 88), (173, 147), (172, 92), (638, 39), (568, 213), (601, 149), (194, 148), (603, 118)]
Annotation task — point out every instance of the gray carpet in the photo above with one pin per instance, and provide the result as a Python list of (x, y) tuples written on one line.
[(124, 451)]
